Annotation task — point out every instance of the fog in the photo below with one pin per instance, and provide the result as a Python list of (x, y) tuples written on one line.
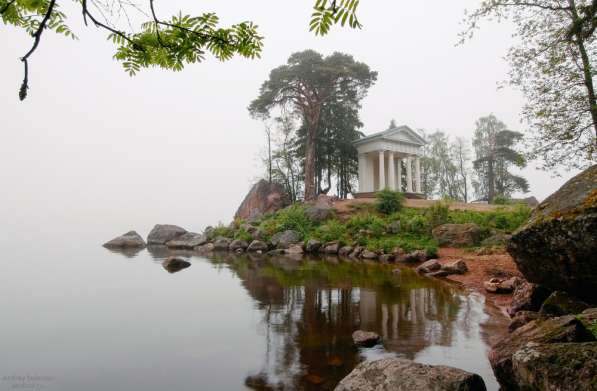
[(91, 144)]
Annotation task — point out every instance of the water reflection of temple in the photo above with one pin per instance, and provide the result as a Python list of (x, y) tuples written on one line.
[(310, 309)]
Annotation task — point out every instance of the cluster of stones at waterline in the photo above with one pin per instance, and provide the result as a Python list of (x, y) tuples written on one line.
[(552, 344)]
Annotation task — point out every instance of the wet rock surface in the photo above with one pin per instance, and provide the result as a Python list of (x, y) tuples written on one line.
[(401, 374)]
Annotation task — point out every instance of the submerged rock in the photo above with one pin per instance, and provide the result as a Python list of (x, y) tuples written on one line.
[(188, 240), (175, 264), (561, 303), (557, 247), (130, 239), (264, 197), (402, 375), (365, 338), (163, 233), (457, 235), (553, 330)]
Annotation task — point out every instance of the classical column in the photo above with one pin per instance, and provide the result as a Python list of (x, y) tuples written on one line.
[(399, 172), (417, 175), (362, 172), (391, 173), (409, 175), (382, 172)]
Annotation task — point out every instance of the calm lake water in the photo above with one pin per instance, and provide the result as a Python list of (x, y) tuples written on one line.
[(76, 316)]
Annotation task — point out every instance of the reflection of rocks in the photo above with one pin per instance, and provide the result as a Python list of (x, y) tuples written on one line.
[(400, 374), (365, 338), (127, 252), (163, 233), (130, 240), (174, 264)]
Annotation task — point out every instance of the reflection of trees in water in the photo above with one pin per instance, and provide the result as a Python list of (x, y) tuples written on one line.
[(310, 310)]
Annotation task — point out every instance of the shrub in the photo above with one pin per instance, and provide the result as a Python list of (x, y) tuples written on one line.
[(389, 201), (368, 222), (242, 234), (501, 200), (438, 214), (332, 230), (220, 230), (294, 218), (431, 250), (417, 224)]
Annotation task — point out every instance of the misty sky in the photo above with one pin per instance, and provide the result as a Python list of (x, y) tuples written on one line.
[(93, 144)]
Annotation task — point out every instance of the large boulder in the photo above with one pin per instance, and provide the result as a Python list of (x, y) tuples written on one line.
[(553, 330), (557, 247), (557, 366), (222, 244), (286, 238), (264, 197), (130, 239), (163, 233), (257, 245), (561, 303), (401, 374), (457, 235), (321, 210), (188, 240)]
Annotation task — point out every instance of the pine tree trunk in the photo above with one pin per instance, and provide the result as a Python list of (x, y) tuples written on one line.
[(310, 185)]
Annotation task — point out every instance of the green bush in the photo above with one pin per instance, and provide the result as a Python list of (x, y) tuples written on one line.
[(242, 234), (221, 230), (438, 214), (389, 201), (432, 250), (332, 230), (501, 200), (294, 218), (369, 222), (416, 224)]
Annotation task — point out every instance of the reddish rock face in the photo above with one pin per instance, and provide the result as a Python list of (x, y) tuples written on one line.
[(264, 197)]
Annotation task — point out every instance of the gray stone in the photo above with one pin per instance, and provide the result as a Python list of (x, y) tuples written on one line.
[(356, 253), (331, 248), (413, 257), (238, 244), (429, 266), (400, 374), (557, 247), (163, 233), (456, 267), (294, 249), (365, 338), (285, 238), (222, 244), (500, 285), (130, 239), (257, 245), (496, 239), (457, 235), (385, 258), (206, 248), (345, 251), (188, 240), (367, 254), (312, 246)]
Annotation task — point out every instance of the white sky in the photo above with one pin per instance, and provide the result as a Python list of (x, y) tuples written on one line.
[(92, 141)]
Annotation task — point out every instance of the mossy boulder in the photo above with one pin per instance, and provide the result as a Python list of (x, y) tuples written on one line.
[(457, 235), (561, 303), (557, 247), (558, 366), (562, 329)]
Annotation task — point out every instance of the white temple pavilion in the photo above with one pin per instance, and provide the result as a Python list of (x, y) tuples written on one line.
[(390, 159)]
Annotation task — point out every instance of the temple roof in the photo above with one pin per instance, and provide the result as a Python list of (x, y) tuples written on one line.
[(397, 134)]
